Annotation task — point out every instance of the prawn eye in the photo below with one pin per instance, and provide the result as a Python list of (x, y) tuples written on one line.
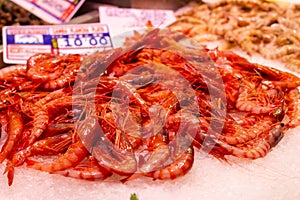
[(279, 114)]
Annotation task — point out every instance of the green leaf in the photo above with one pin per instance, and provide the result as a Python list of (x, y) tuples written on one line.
[(133, 197)]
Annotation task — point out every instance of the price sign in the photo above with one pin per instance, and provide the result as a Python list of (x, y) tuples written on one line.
[(21, 42), (52, 11), (121, 20)]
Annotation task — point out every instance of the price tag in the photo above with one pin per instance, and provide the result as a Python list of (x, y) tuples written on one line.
[(21, 42), (122, 20), (52, 11)]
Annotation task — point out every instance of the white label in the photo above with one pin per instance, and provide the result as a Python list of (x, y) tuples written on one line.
[(52, 11), (122, 20), (21, 42)]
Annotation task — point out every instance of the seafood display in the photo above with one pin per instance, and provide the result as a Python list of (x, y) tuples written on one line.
[(144, 109), (264, 27)]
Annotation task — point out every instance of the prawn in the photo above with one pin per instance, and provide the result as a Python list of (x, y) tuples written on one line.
[(259, 97), (49, 71), (14, 78), (238, 2), (276, 77), (48, 146), (3, 126), (102, 149), (255, 148), (87, 170), (157, 160), (53, 66), (293, 99), (52, 145), (158, 148), (242, 135), (15, 128), (283, 51), (14, 70), (50, 97), (43, 115), (179, 167), (67, 77), (107, 155), (75, 153), (244, 103)]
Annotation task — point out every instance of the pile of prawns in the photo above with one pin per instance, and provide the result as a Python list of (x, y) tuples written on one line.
[(141, 110)]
